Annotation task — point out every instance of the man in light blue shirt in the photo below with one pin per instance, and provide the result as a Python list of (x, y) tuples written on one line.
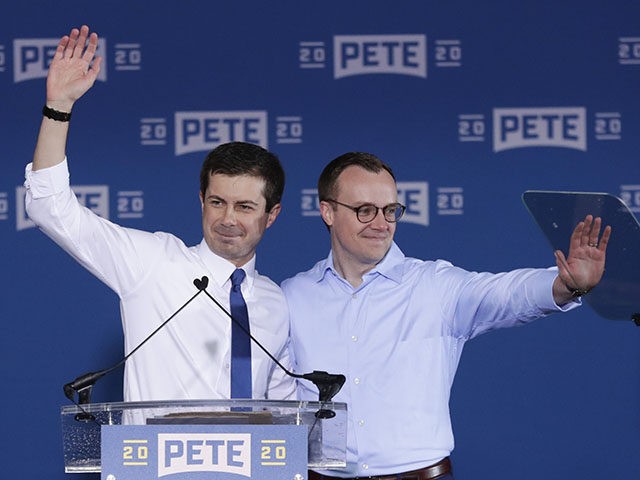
[(396, 326)]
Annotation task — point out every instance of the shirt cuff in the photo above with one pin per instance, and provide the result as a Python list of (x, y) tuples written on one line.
[(47, 181), (550, 275)]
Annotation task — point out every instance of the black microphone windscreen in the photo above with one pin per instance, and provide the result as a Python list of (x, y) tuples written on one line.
[(201, 283)]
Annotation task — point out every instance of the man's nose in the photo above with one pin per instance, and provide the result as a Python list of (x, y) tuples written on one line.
[(229, 215), (379, 222)]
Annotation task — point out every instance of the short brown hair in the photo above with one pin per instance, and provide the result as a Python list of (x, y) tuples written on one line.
[(327, 183), (240, 158)]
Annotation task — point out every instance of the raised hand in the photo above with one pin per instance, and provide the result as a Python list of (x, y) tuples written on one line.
[(584, 267), (71, 72)]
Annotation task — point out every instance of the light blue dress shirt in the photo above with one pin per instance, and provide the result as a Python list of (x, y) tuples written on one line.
[(398, 338)]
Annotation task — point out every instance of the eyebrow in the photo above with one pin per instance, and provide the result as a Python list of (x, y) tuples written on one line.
[(218, 197)]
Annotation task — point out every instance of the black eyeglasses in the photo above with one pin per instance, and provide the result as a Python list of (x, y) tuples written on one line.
[(367, 212)]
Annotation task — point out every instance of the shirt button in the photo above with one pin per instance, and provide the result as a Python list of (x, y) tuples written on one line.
[(227, 366), (365, 466), (354, 296), (361, 423), (356, 381), (354, 338)]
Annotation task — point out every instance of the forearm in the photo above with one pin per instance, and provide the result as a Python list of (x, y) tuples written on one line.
[(507, 299), (51, 144)]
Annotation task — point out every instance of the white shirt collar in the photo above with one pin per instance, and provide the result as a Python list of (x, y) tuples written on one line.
[(221, 268)]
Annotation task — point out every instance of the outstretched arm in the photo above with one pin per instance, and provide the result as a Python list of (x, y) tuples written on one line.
[(585, 266), (70, 76)]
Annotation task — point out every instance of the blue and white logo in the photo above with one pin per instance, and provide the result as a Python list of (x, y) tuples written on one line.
[(204, 452), (197, 131), (539, 127), (373, 54)]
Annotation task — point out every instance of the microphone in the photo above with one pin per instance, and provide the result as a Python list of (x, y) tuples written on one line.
[(84, 383)]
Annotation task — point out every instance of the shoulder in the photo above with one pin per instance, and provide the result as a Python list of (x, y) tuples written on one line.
[(164, 240), (311, 276), (265, 282), (416, 266), (267, 288)]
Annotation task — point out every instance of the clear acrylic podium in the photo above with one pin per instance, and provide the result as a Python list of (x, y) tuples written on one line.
[(326, 424)]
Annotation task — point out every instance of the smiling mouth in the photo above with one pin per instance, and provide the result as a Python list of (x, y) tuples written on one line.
[(376, 237), (227, 238)]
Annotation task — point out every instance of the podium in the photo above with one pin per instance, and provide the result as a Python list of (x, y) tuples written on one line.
[(617, 296), (323, 426)]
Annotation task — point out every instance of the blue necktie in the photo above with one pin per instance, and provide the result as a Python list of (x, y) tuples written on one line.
[(240, 341)]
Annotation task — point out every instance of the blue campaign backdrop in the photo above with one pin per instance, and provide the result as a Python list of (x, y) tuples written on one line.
[(471, 103)]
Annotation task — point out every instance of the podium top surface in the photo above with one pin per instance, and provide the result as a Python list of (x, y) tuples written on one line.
[(284, 406)]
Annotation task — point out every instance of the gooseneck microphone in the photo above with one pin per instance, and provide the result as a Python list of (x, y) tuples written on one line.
[(328, 384)]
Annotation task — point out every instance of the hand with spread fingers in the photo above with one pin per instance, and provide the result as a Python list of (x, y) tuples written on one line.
[(583, 269), (71, 72)]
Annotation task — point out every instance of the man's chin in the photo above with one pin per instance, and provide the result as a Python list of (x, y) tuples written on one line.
[(224, 247), (378, 251), (378, 244)]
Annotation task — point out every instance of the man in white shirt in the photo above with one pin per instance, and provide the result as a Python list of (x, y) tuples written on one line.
[(153, 273)]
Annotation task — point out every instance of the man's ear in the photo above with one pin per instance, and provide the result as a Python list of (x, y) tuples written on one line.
[(273, 214), (326, 212)]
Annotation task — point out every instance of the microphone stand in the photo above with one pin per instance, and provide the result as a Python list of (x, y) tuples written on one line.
[(328, 384)]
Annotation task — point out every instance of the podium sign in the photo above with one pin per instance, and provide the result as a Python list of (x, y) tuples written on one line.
[(191, 452)]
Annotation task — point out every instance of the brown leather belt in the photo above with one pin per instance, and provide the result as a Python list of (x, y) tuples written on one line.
[(427, 473)]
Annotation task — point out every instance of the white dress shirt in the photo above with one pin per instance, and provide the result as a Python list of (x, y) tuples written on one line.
[(153, 273)]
